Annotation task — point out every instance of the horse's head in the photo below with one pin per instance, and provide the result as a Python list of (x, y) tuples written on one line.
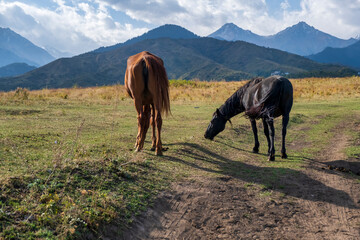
[(217, 124)]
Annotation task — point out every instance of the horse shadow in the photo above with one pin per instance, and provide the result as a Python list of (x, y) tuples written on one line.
[(347, 166), (287, 181)]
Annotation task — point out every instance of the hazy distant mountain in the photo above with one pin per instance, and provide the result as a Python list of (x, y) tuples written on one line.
[(165, 31), (15, 69), (304, 40), (300, 39), (7, 57), (56, 53), (348, 56), (203, 58), (15, 48)]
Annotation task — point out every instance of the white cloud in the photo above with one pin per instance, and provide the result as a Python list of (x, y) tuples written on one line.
[(285, 5), (339, 18), (203, 17), (74, 29), (77, 25)]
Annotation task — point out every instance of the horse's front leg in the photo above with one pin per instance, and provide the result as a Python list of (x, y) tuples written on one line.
[(266, 132), (254, 129), (270, 124)]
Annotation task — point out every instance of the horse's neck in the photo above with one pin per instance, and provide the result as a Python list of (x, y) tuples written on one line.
[(232, 106)]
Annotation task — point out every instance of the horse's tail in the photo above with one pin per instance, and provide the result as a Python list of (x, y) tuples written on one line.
[(157, 72), (127, 76)]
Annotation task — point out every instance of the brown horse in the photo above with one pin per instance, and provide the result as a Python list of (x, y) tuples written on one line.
[(147, 83)]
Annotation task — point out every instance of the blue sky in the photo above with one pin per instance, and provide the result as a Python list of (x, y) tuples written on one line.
[(77, 26)]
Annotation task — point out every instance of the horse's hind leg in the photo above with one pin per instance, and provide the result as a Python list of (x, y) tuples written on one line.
[(145, 122), (158, 121), (140, 119), (254, 129), (270, 123), (285, 121), (153, 125)]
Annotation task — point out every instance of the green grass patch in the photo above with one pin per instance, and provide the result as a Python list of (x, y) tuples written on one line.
[(67, 167)]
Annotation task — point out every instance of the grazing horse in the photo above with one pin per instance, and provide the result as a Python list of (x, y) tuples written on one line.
[(147, 83), (259, 98)]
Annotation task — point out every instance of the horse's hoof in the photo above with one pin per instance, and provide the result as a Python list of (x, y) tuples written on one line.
[(137, 150), (284, 156), (158, 153), (162, 149), (271, 158), (255, 150)]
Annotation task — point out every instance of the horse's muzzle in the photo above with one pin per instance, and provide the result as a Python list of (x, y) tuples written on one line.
[(208, 137)]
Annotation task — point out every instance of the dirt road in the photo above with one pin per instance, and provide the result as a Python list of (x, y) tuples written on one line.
[(318, 201)]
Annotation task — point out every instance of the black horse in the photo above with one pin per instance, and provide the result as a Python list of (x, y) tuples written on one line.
[(259, 98)]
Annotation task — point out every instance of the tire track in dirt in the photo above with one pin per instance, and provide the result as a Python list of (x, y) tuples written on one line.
[(214, 209)]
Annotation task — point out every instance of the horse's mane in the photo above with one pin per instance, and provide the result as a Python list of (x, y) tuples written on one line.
[(233, 105)]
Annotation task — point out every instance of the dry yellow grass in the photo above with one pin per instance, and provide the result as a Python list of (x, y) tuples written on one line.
[(326, 88), (182, 90)]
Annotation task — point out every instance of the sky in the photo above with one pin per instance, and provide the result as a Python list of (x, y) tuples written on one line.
[(76, 26)]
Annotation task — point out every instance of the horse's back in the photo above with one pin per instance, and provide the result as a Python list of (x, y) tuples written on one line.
[(276, 82), (273, 96), (134, 59)]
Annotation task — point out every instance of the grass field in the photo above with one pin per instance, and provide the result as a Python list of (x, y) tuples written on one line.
[(67, 165)]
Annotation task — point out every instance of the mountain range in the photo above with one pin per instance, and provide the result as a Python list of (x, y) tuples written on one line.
[(15, 69), (348, 56), (300, 38), (186, 56), (202, 58), (164, 31), (16, 49)]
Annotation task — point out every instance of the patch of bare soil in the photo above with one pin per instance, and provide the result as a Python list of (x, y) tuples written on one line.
[(215, 209), (334, 211), (313, 203)]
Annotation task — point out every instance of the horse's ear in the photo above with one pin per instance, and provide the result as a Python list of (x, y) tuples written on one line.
[(217, 111)]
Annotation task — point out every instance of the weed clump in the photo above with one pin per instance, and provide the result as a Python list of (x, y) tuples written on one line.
[(21, 94)]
